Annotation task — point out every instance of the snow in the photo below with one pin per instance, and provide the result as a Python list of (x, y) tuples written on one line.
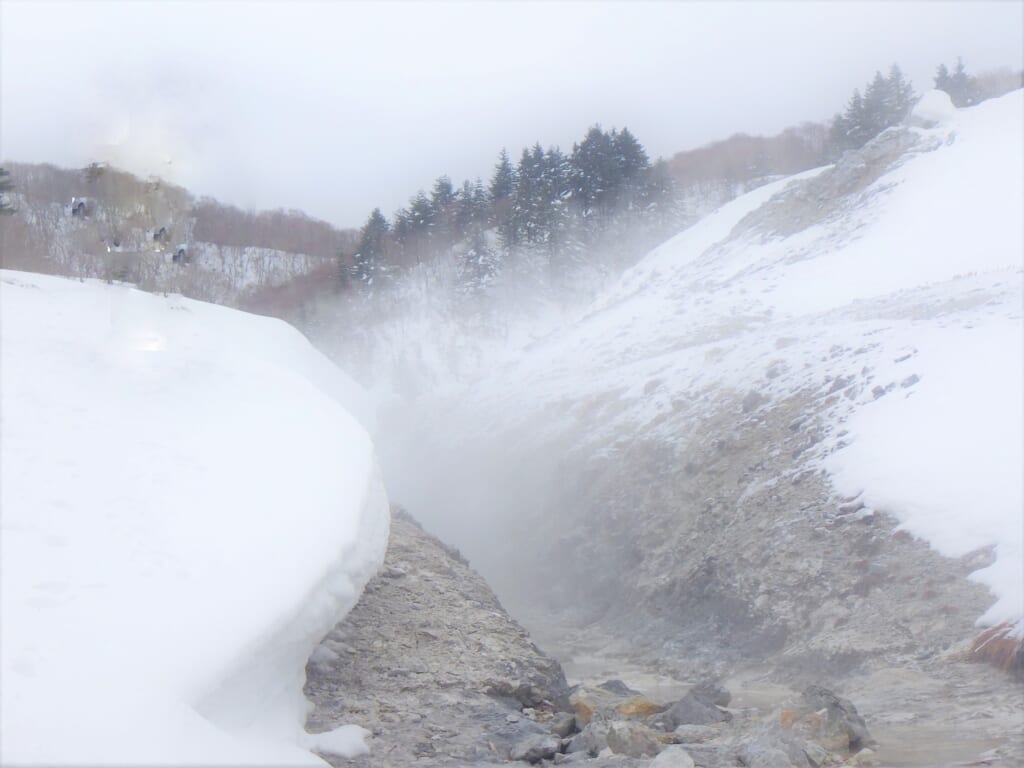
[(904, 293), (187, 508), (344, 741), (948, 459), (934, 108)]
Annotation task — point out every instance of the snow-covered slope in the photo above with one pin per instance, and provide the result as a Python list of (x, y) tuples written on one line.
[(886, 290), (187, 507)]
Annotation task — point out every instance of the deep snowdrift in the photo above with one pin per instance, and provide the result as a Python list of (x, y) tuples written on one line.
[(187, 508), (891, 281)]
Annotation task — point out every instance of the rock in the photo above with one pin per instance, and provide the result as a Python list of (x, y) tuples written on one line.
[(533, 749), (770, 738), (563, 724), (694, 734), (692, 709), (575, 757), (865, 757), (759, 756), (394, 668), (591, 739), (815, 753), (713, 693), (618, 687), (843, 727), (587, 702), (851, 506), (638, 706), (753, 400), (673, 757), (628, 737)]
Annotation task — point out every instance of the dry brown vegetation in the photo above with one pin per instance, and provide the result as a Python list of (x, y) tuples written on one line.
[(1001, 648), (290, 231), (742, 158)]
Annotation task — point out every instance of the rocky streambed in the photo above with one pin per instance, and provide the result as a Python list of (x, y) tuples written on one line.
[(436, 671)]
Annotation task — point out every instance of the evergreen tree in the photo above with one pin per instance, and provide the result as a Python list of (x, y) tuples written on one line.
[(442, 213), (901, 96), (596, 173), (875, 117), (658, 196), (6, 186), (960, 86), (885, 103), (479, 265), (368, 263), (471, 209), (630, 155), (420, 213), (526, 207), (503, 181), (502, 194), (555, 194)]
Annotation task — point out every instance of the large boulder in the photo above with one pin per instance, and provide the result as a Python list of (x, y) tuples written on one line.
[(841, 727), (633, 739), (591, 739), (692, 709), (610, 700), (673, 757), (535, 748)]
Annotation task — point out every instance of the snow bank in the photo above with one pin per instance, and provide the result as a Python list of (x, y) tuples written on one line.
[(946, 458), (187, 507)]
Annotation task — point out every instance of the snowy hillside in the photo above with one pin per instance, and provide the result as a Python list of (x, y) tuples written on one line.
[(187, 507), (885, 292)]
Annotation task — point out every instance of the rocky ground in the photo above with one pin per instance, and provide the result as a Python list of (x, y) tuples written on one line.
[(432, 666)]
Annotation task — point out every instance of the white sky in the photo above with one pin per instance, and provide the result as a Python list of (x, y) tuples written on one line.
[(337, 107)]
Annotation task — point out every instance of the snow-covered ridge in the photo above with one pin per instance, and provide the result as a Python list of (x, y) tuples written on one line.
[(187, 507), (887, 290)]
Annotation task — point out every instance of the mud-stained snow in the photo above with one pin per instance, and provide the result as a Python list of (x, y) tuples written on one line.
[(188, 505)]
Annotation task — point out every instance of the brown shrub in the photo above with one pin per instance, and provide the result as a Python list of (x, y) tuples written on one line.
[(999, 647)]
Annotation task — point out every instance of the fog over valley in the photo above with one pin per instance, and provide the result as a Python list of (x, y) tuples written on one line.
[(448, 384)]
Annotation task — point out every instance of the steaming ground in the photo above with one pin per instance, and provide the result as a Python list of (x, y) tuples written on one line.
[(785, 447)]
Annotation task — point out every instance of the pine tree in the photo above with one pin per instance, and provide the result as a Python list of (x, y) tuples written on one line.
[(962, 90), (875, 118), (900, 95), (368, 263), (442, 213), (479, 265), (471, 208), (6, 186), (849, 130), (528, 203), (503, 182), (596, 173), (630, 155), (502, 194)]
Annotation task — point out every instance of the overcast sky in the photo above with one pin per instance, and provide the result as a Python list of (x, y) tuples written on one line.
[(337, 107)]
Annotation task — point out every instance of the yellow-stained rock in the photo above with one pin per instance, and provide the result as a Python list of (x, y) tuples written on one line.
[(638, 706), (584, 713)]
